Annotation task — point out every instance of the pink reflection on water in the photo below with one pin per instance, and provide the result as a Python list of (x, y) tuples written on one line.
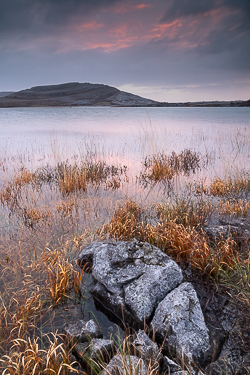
[(33, 137)]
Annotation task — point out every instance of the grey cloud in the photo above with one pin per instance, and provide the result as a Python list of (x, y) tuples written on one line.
[(135, 65), (29, 15), (184, 8), (232, 34)]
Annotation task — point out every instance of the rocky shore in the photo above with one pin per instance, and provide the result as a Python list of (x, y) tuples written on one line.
[(175, 325)]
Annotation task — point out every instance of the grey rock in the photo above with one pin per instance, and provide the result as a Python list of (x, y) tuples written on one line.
[(79, 350), (179, 323), (239, 229), (230, 362), (169, 366), (82, 331), (131, 278), (100, 349), (120, 365), (87, 253), (146, 349)]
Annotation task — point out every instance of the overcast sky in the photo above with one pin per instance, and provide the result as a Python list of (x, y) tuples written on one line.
[(167, 50)]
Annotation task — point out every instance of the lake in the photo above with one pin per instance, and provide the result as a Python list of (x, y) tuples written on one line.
[(39, 135), (38, 219)]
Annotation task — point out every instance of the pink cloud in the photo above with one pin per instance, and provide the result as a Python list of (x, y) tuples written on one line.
[(143, 6), (129, 7), (90, 26), (130, 28)]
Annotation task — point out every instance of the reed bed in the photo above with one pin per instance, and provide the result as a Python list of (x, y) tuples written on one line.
[(176, 232), (48, 213)]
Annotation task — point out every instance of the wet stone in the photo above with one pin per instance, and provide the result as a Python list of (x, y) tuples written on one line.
[(82, 331)]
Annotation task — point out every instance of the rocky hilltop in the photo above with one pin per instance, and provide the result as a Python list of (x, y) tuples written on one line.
[(89, 94), (73, 94)]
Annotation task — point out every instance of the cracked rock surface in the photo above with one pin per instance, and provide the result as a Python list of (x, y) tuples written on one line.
[(179, 323), (131, 278)]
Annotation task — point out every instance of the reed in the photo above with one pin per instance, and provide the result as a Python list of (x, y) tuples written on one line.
[(30, 358), (162, 168), (228, 186), (49, 212), (176, 235)]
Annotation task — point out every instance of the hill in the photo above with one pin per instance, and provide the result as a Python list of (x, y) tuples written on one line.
[(89, 94), (73, 94)]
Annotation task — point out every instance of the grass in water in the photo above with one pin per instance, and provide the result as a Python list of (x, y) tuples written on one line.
[(48, 213), (162, 168)]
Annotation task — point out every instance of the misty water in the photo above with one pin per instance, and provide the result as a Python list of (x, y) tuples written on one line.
[(39, 135), (33, 137)]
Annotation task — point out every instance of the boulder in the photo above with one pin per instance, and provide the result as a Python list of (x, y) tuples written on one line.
[(231, 361), (130, 278), (179, 323)]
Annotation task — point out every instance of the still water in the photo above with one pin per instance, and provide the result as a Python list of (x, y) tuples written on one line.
[(38, 135)]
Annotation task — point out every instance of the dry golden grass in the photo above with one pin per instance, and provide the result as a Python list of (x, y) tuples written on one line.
[(49, 213), (71, 178), (227, 186), (66, 207), (234, 207), (185, 211), (62, 278), (76, 177), (68, 177), (29, 357), (162, 168), (182, 242)]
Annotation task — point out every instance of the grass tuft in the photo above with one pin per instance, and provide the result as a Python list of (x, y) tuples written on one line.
[(174, 234), (162, 168)]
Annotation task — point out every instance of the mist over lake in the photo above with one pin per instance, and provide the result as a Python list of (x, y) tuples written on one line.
[(30, 134)]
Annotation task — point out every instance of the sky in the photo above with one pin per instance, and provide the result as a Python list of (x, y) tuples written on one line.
[(165, 50)]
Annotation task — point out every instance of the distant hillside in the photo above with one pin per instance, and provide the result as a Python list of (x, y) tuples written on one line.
[(5, 93), (73, 94), (88, 94)]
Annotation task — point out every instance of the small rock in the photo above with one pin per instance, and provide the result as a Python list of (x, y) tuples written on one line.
[(147, 349), (169, 366), (229, 362), (79, 350), (82, 331), (120, 365), (97, 350), (100, 349)]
